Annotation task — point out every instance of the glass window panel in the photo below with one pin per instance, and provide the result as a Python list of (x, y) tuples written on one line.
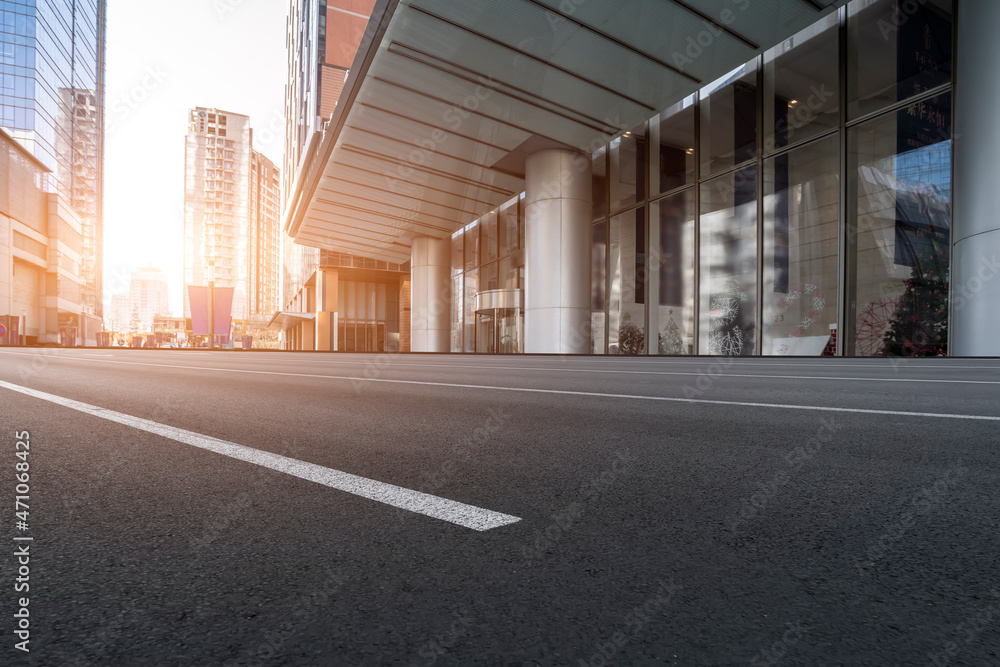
[(508, 228), (457, 311), (899, 232), (628, 168), (627, 284), (489, 242), (729, 121), (598, 287), (896, 49), (508, 274), (372, 295), (469, 312), (672, 137), (488, 277), (671, 265), (801, 253), (728, 264), (381, 301), (472, 246), (599, 171), (802, 85), (457, 245)]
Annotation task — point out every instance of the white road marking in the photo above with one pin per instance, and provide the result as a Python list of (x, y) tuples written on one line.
[(452, 511), (563, 392)]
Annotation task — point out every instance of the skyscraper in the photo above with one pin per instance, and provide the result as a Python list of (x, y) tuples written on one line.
[(265, 236), (217, 204), (52, 65), (232, 204)]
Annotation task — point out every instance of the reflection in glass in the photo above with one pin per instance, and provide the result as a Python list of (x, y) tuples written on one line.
[(728, 264), (801, 229), (457, 243), (457, 311), (729, 120), (489, 241), (598, 291), (469, 309), (508, 227), (488, 277), (671, 265), (899, 232), (897, 49), (802, 85), (599, 170), (472, 246), (627, 283), (672, 137), (628, 168)]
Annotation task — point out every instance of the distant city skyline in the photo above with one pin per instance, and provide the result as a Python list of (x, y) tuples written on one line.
[(151, 87)]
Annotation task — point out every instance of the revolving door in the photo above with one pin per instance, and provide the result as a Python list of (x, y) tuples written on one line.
[(499, 322)]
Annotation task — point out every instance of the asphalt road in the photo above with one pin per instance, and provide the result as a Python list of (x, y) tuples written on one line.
[(671, 511)]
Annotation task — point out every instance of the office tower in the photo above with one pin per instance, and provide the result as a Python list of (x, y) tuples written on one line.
[(52, 67)]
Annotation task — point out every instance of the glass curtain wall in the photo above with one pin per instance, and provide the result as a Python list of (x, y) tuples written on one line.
[(800, 205), (487, 254)]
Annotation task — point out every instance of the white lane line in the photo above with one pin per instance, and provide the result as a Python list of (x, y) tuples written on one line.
[(562, 392), (452, 511)]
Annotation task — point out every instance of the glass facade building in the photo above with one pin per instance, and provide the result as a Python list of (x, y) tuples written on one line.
[(801, 205), (52, 69)]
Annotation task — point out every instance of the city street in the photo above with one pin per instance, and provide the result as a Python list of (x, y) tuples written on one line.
[(263, 508)]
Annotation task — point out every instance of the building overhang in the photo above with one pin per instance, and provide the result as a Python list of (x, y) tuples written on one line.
[(446, 99), (283, 320)]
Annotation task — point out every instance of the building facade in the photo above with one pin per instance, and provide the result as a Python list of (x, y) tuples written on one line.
[(52, 69), (264, 244), (728, 184), (218, 155), (41, 255)]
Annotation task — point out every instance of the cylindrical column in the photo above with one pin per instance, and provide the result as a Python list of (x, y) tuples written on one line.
[(975, 274), (430, 294), (557, 252)]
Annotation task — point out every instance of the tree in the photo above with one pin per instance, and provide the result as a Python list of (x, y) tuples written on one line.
[(631, 337), (671, 341), (920, 325)]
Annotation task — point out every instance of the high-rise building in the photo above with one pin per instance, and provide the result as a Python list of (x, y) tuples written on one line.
[(217, 204), (52, 66), (265, 237), (149, 295)]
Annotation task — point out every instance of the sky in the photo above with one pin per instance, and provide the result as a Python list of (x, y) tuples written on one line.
[(164, 59)]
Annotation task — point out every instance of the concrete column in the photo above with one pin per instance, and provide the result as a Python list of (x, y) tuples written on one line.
[(326, 306), (975, 262), (430, 296), (557, 258)]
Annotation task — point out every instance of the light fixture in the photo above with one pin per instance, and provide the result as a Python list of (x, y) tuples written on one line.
[(792, 102)]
